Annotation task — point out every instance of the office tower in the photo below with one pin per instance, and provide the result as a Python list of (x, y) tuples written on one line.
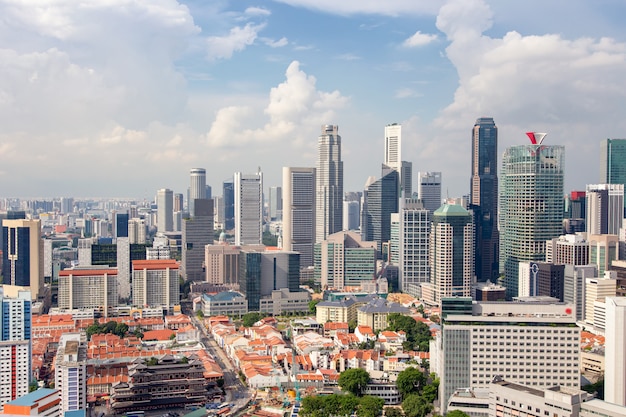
[(156, 284), (451, 253), (605, 208), (250, 277), (218, 212), (568, 249), (351, 215), (541, 279), (344, 260), (531, 205), (178, 202), (574, 286), (90, 287), (208, 192), (603, 249), (414, 230), (222, 264), (380, 199), (393, 146), (577, 205), (275, 203), (71, 372), (329, 184), (299, 212), (484, 198), (429, 190), (197, 233), (122, 262), (613, 161), (615, 351), (248, 208), (121, 225), (406, 179), (197, 188), (67, 205), (540, 349), (279, 269), (137, 230), (229, 205), (165, 210), (22, 253), (596, 291)]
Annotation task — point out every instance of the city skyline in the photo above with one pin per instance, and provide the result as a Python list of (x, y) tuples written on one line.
[(134, 96)]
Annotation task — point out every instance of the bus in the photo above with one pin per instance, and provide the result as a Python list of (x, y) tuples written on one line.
[(136, 414), (222, 409)]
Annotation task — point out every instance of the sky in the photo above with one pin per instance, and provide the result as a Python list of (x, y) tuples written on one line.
[(119, 98)]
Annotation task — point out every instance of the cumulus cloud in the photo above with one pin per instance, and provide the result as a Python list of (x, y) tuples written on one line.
[(294, 110), (220, 47), (257, 11), (419, 39), (353, 7), (275, 43)]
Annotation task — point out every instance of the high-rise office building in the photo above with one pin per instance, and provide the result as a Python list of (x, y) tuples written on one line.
[(568, 250), (574, 286), (137, 230), (71, 372), (413, 224), (406, 179), (380, 199), (351, 215), (121, 225), (178, 202), (329, 184), (222, 264), (605, 208), (531, 205), (248, 208), (229, 205), (484, 198), (275, 203), (156, 284), (393, 158), (197, 188), (22, 253), (165, 210), (613, 161), (615, 351), (197, 233), (541, 279), (429, 190), (299, 212), (451, 253)]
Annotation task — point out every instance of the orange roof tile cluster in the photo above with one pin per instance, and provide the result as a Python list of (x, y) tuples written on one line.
[(365, 330), (346, 339), (250, 370), (589, 340), (310, 377), (87, 272), (158, 335), (106, 379), (212, 369), (361, 355), (336, 325), (179, 319)]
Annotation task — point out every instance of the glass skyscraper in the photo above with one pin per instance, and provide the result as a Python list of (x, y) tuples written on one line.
[(531, 206), (613, 161), (329, 184), (484, 198), (380, 199)]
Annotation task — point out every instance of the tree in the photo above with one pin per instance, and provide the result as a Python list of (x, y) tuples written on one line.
[(33, 386), (250, 318), (352, 325), (370, 406), (410, 381), (417, 333), (354, 380), (200, 314), (456, 413), (393, 412), (121, 329), (415, 406), (312, 305)]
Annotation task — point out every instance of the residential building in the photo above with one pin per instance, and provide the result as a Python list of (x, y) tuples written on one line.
[(375, 314), (248, 208), (451, 253), (484, 198), (531, 205), (341, 311), (540, 349), (136, 232), (328, 184), (615, 351), (71, 372), (88, 287), (197, 233), (43, 402), (605, 208), (429, 190), (22, 253), (343, 259), (156, 284), (380, 200), (197, 188), (165, 210), (299, 212)]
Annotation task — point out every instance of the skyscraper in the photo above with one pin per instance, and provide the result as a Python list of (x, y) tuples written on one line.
[(275, 206), (197, 188), (613, 161), (429, 190), (22, 254), (329, 184), (380, 199), (615, 354), (299, 212), (605, 208), (229, 204), (165, 210), (197, 233), (71, 372), (248, 208), (484, 198), (393, 158), (531, 205), (413, 232), (451, 252), (121, 225)]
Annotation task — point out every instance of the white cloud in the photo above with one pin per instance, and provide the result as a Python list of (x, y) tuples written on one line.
[(276, 43), (387, 7), (257, 11), (348, 57), (407, 93), (419, 39), (295, 109), (238, 39)]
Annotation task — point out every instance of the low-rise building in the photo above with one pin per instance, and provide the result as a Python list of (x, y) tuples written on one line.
[(283, 301), (336, 311), (231, 303), (44, 402), (376, 313)]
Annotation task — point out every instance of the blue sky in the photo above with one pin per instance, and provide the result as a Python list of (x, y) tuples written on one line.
[(120, 98)]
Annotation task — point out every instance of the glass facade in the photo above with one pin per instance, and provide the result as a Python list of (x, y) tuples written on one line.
[(613, 161), (380, 200), (250, 278)]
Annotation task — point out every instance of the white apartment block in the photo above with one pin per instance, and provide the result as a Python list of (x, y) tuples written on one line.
[(15, 369), (530, 343), (71, 373), (92, 287), (615, 351), (156, 283), (597, 289)]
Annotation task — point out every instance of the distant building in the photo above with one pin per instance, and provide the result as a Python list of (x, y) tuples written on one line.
[(329, 184), (275, 203), (165, 210), (222, 264), (429, 190), (380, 200), (90, 287), (613, 161), (197, 188), (299, 212), (197, 233), (248, 208), (413, 223), (605, 208), (156, 284)]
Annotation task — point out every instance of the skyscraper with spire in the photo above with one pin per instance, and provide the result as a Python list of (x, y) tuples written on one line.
[(329, 184), (484, 198)]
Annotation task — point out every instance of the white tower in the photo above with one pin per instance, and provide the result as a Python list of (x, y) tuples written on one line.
[(248, 208)]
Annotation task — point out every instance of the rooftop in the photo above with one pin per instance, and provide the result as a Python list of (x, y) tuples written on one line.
[(32, 398)]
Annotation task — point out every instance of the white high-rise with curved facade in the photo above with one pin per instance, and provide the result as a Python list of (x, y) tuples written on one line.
[(329, 184), (197, 187), (165, 210)]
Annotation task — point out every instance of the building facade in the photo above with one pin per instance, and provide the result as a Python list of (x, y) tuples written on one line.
[(299, 212), (328, 184), (71, 372), (165, 210), (613, 161), (91, 287), (615, 351), (605, 208), (197, 188), (156, 284), (380, 200), (197, 233), (531, 206), (429, 190), (248, 208)]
